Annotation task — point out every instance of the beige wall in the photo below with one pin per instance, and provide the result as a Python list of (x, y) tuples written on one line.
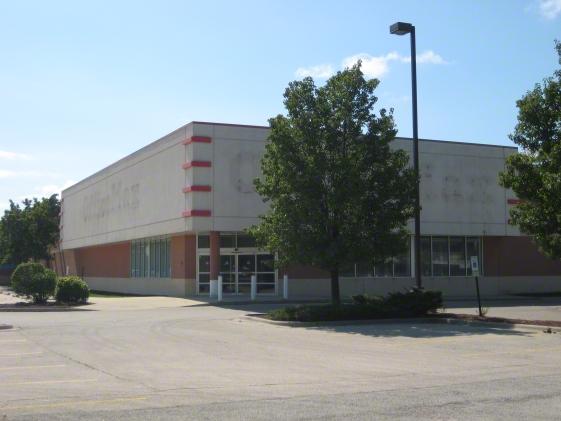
[(460, 193), (144, 286), (138, 196)]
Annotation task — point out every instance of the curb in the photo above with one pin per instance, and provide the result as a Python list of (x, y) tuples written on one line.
[(258, 317)]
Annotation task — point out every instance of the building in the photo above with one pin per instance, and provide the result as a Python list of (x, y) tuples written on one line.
[(170, 217)]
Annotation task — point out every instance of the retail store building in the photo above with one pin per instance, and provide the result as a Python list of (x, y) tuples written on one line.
[(170, 217)]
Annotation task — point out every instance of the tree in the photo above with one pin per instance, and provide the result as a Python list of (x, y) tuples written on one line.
[(534, 174), (29, 231), (338, 193)]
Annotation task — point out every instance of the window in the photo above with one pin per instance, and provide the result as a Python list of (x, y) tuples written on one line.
[(473, 249), (426, 256), (203, 241), (440, 256), (384, 269), (402, 263), (150, 258), (244, 240), (204, 274), (364, 269), (265, 274), (396, 266), (457, 256), (228, 241)]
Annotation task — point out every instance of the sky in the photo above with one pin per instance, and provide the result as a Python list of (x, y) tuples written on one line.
[(82, 84)]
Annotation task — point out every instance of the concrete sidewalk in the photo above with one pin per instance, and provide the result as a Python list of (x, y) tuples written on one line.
[(543, 308)]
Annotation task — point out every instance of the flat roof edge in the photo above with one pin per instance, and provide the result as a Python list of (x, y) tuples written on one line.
[(457, 142), (251, 126)]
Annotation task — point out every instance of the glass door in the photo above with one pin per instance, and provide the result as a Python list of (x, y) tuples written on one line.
[(228, 271), (246, 268)]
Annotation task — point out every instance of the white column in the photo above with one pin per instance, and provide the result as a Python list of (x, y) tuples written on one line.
[(285, 287), (219, 292), (214, 288), (253, 287)]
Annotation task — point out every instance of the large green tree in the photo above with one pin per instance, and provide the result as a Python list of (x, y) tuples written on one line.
[(534, 174), (338, 192), (29, 230)]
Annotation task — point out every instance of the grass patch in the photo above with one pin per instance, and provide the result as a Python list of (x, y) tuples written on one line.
[(108, 294), (413, 303)]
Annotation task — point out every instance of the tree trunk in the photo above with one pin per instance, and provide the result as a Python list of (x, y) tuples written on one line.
[(335, 296)]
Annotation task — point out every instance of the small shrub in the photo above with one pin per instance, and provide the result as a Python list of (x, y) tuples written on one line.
[(415, 302), (367, 299), (412, 303), (72, 289), (34, 280)]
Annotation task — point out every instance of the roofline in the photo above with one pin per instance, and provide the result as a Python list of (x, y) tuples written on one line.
[(492, 145), (230, 124)]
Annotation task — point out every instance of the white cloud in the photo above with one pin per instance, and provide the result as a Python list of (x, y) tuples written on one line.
[(14, 155), (321, 71), (372, 66), (427, 57), (550, 9), (48, 190)]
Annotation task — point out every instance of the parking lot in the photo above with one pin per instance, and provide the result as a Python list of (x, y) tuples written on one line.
[(154, 361)]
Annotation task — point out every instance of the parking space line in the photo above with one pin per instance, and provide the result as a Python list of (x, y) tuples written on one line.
[(48, 382), (74, 403), (28, 367), (10, 341), (18, 354)]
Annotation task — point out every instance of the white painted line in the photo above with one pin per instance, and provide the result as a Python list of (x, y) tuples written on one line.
[(74, 403), (29, 367), (13, 341), (18, 354), (48, 382)]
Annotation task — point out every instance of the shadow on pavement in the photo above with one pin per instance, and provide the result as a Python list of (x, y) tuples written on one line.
[(420, 330)]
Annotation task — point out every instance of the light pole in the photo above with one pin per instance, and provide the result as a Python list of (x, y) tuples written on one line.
[(402, 28)]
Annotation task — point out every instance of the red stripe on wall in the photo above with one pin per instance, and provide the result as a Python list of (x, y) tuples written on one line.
[(189, 189), (514, 201), (196, 212), (197, 139), (190, 164)]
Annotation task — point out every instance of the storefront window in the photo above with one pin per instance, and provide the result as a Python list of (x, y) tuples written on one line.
[(457, 256), (473, 248), (426, 256), (203, 241), (440, 256), (150, 258)]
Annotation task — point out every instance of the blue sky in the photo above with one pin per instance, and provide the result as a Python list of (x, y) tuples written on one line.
[(82, 84)]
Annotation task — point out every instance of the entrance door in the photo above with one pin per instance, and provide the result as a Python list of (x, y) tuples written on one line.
[(228, 271), (236, 271), (246, 268)]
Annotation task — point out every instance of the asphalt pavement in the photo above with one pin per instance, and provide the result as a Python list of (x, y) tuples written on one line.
[(165, 361)]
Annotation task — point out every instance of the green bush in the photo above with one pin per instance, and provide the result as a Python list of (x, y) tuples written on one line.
[(72, 289), (313, 313), (34, 280), (367, 299), (415, 302), (412, 303)]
